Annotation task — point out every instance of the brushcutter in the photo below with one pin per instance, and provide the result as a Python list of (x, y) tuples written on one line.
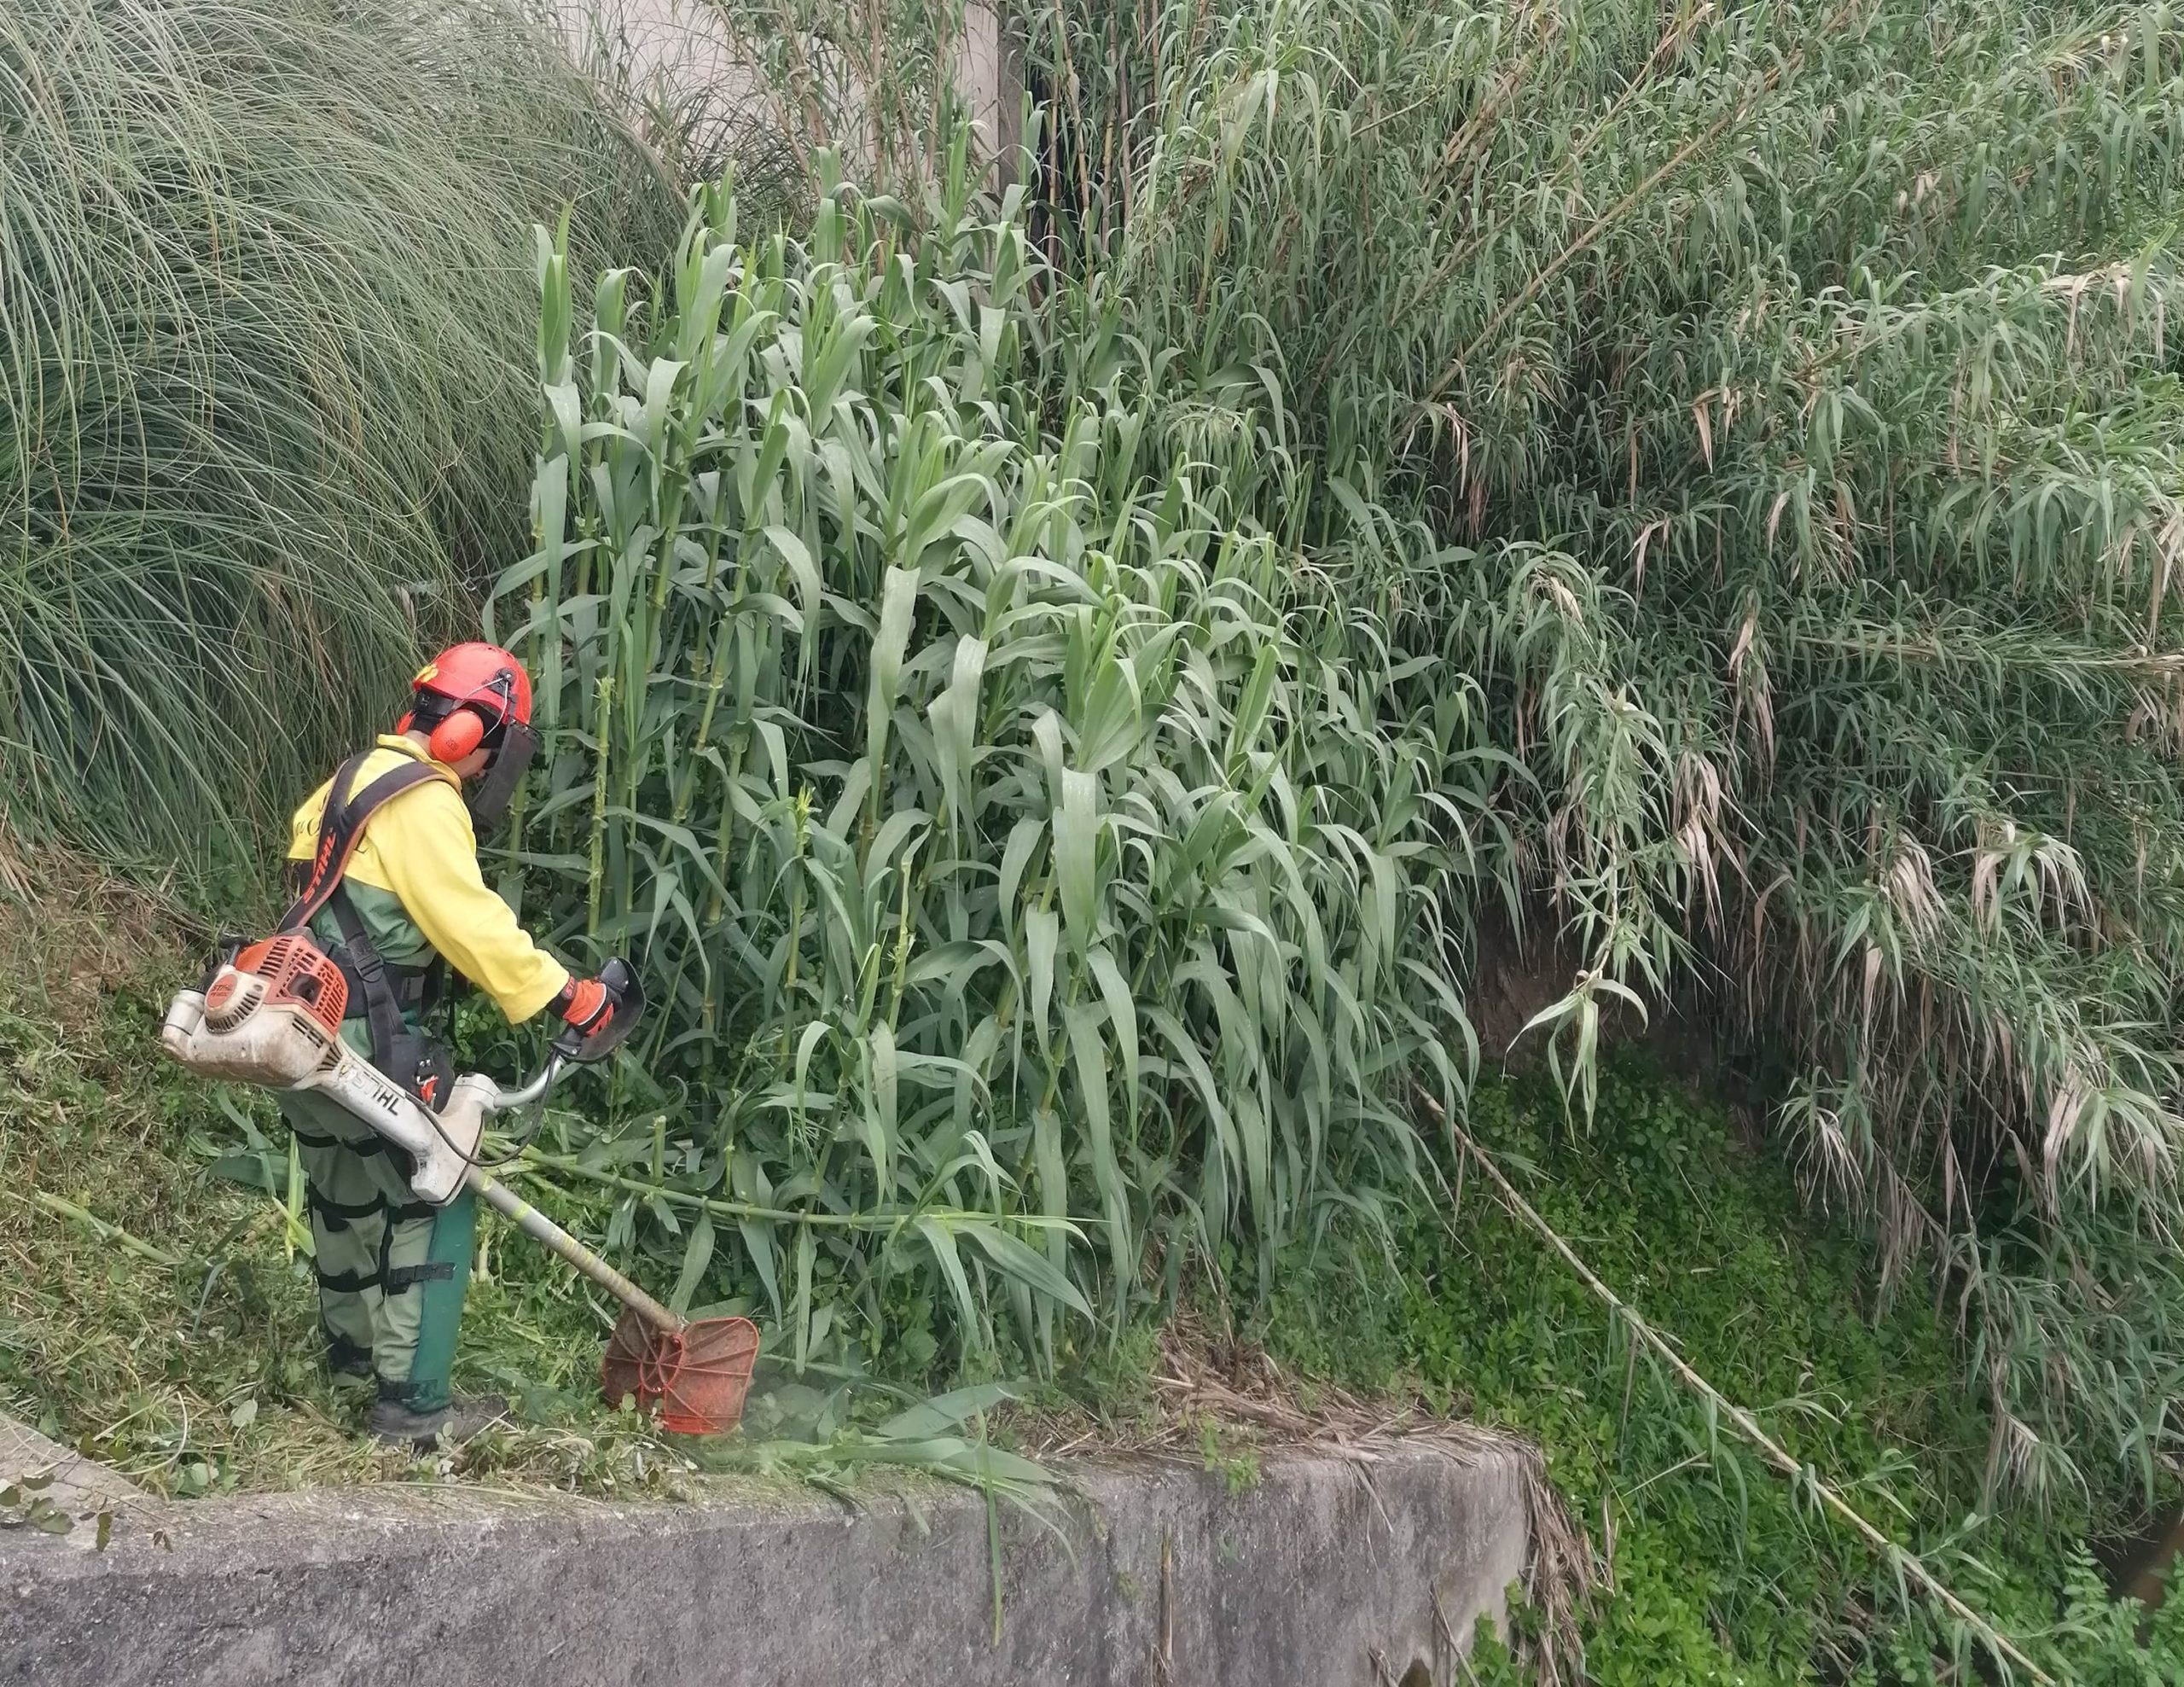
[(271, 1015)]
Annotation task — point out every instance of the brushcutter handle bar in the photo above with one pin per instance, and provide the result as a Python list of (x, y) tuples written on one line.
[(626, 992), (573, 1048), (536, 1090)]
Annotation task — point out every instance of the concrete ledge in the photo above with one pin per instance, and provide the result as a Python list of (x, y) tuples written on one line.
[(1327, 1572), (82, 1488)]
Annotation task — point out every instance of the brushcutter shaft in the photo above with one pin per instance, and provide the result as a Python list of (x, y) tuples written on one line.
[(543, 1230)]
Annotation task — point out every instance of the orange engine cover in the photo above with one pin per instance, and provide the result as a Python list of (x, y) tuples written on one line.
[(296, 969)]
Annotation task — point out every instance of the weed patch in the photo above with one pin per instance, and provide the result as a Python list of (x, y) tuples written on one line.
[(1716, 1568)]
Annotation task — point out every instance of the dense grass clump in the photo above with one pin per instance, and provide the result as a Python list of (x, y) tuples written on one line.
[(1722, 1571), (1799, 385), (1043, 866), (264, 311), (1053, 690)]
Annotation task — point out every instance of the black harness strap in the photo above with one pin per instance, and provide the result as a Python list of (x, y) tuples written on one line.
[(355, 1145), (397, 1279), (382, 1010), (340, 828), (338, 1214)]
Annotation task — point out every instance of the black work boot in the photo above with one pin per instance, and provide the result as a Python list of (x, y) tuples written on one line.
[(395, 1424), (347, 1363)]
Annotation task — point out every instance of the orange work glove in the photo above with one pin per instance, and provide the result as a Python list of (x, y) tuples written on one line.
[(587, 1005)]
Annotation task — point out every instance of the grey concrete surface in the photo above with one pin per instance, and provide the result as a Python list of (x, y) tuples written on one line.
[(82, 1488), (688, 46), (1325, 1573)]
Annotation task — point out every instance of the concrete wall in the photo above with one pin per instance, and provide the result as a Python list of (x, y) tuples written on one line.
[(688, 45), (1327, 1572)]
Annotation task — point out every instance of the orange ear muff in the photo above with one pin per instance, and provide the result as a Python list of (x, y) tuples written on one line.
[(455, 737)]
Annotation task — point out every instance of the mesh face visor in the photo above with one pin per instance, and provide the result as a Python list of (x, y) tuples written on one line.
[(493, 790)]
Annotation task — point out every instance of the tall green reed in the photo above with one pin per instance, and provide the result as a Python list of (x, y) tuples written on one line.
[(1801, 377), (1047, 875)]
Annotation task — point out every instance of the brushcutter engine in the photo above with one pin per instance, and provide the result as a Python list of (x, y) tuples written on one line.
[(272, 1016)]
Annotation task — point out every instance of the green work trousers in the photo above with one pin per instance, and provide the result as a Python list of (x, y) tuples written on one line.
[(391, 1269)]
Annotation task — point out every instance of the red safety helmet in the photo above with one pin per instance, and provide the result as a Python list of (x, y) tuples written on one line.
[(466, 693), (473, 696)]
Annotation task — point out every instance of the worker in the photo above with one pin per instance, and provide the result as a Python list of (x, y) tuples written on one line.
[(384, 860)]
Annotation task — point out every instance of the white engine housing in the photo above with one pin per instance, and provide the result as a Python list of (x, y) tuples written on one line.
[(281, 1046)]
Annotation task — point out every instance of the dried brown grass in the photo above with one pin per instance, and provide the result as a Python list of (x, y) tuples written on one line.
[(1203, 1376)]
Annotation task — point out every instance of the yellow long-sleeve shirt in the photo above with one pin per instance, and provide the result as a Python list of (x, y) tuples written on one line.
[(420, 849)]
